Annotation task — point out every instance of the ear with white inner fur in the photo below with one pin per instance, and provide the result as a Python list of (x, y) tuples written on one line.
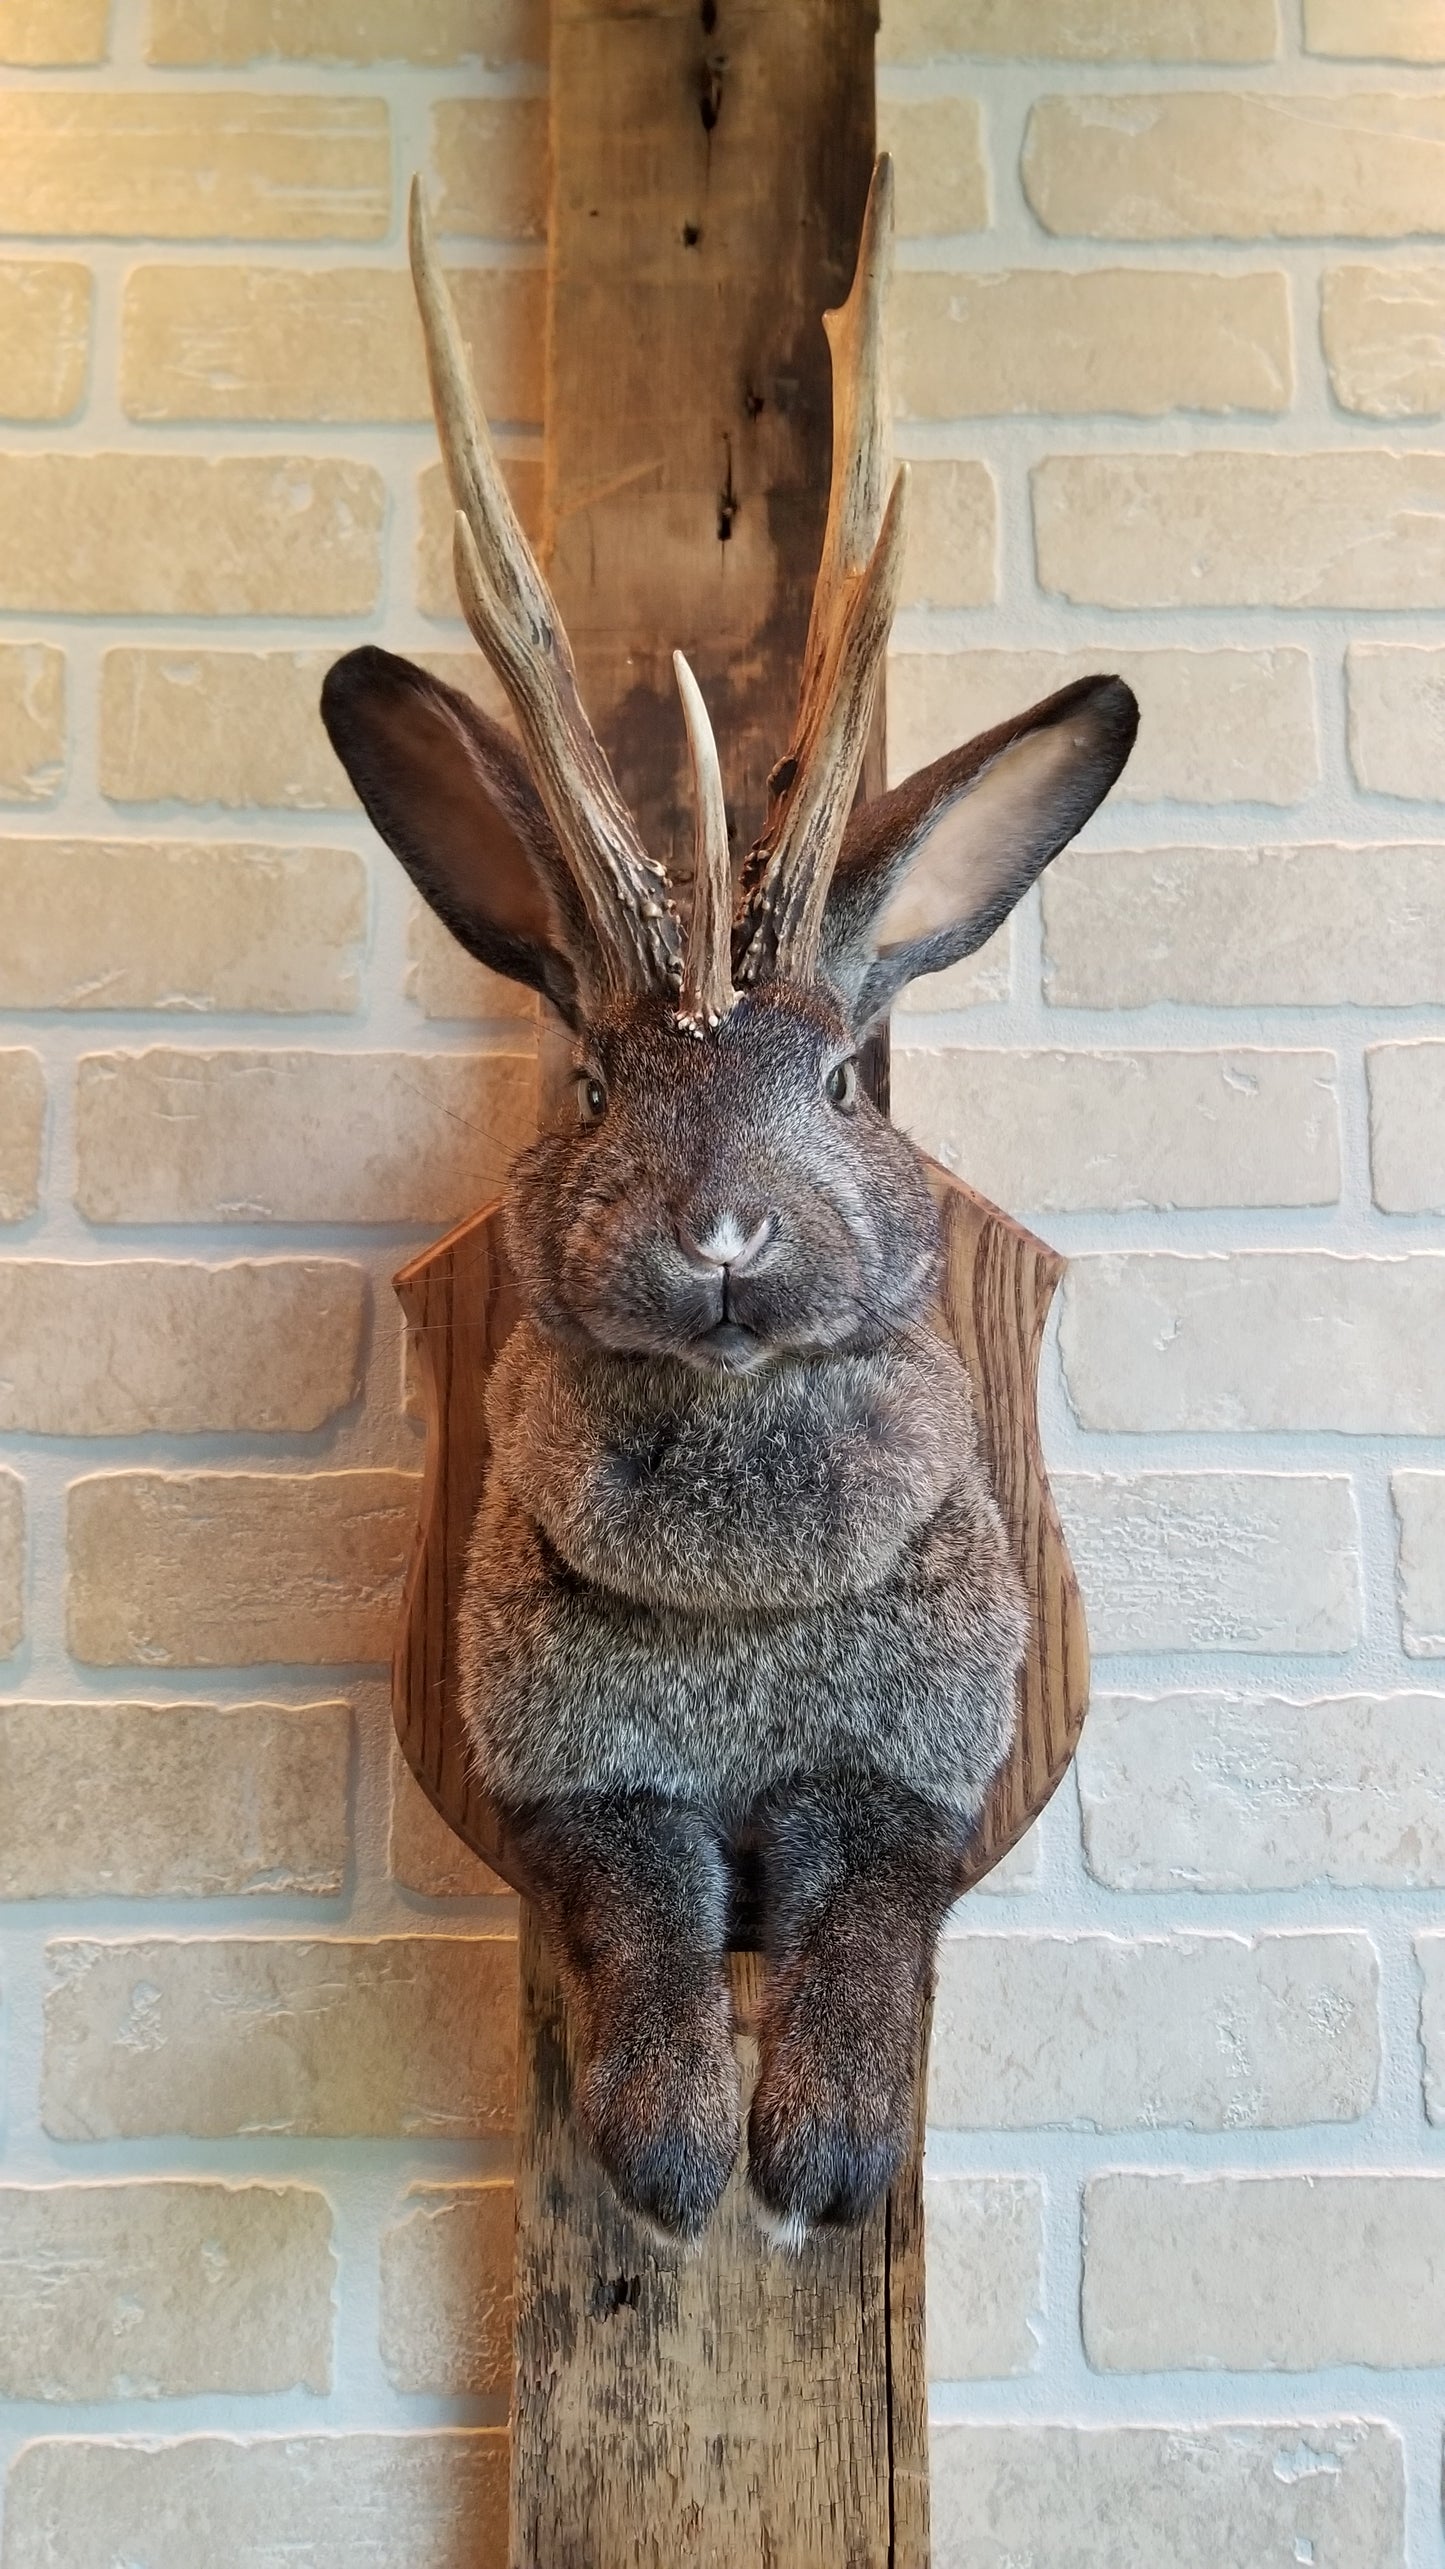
[(930, 870), (450, 793)]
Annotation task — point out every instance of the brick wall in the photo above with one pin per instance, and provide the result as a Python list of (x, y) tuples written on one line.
[(1169, 360)]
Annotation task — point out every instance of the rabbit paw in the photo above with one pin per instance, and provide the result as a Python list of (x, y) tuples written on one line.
[(665, 2123), (826, 2137)]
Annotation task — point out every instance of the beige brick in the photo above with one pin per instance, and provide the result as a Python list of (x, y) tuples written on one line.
[(162, 2291), (1208, 164), (1087, 1131), (393, 2036), (1430, 1956), (1137, 2497), (318, 343), (1220, 927), (1407, 1126), (1419, 1503), (238, 728), (1082, 30), (1214, 2033), (1381, 329), (423, 1854), (45, 328), (129, 1346), (1378, 30), (1141, 341), (1215, 1560), (1255, 2274), (189, 535), (489, 167), (187, 1136), (436, 591), (951, 557), (172, 1801), (1397, 719), (1258, 1338), (984, 2244), (32, 722), (237, 1569), (167, 923), (975, 983), (22, 1132), (229, 34), (338, 2501), (250, 166), (444, 980), (44, 34), (1360, 529), (12, 1562), (1187, 1793), (1216, 726), (446, 2290), (937, 144)]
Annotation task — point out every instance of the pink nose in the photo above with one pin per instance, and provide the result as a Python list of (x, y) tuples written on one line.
[(726, 1242)]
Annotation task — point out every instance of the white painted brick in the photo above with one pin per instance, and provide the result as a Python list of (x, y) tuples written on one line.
[(22, 1132), (172, 1801), (1430, 1957), (984, 2241), (336, 2501), (235, 1569), (1080, 30), (1139, 342), (1215, 1560), (1419, 1503), (1255, 2274), (445, 981), (1215, 726), (119, 1347), (1054, 1132), (1197, 1792), (1361, 528), (1407, 1126), (1213, 2033), (1294, 1338), (1212, 164), (186, 927), (12, 1561), (446, 2290), (1219, 927), (1381, 329), (1375, 30), (187, 1136), (393, 2036), (146, 2291), (1249, 2495), (1397, 719)]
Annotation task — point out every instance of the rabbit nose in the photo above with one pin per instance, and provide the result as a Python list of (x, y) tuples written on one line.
[(727, 1241)]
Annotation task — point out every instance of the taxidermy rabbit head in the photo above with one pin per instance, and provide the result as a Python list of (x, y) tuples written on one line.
[(724, 1193)]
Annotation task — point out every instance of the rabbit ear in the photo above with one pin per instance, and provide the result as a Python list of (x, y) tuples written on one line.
[(930, 870), (449, 792)]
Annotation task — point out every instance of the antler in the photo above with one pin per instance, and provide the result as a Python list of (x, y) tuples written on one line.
[(511, 612), (789, 870), (707, 989)]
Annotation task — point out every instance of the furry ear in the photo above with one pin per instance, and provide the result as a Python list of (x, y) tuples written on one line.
[(450, 793), (929, 871)]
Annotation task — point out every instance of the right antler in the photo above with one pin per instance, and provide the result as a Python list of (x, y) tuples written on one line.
[(789, 870), (511, 611)]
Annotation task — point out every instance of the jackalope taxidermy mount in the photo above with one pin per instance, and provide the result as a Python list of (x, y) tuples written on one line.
[(740, 1612)]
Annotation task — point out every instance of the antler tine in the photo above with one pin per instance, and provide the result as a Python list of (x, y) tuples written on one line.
[(511, 612), (707, 989), (788, 872)]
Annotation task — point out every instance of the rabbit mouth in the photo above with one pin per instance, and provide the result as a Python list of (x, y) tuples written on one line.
[(729, 1348)]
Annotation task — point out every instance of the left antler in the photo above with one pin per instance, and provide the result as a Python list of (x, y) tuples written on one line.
[(789, 870), (511, 611)]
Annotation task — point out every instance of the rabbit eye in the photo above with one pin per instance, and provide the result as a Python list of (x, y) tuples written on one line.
[(591, 1097), (841, 1086)]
